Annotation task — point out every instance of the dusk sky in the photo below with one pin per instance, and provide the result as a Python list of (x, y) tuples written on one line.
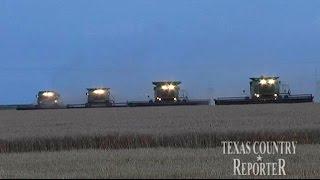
[(212, 46)]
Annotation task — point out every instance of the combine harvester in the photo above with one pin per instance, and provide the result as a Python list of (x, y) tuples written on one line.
[(45, 100), (167, 93), (98, 98), (265, 90)]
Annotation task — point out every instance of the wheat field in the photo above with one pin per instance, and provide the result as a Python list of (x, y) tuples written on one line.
[(150, 142), (159, 120), (146, 163), (179, 126)]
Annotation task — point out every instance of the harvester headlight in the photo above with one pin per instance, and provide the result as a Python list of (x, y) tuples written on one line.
[(48, 94), (263, 81), (271, 81), (164, 87), (171, 87), (99, 91), (257, 95), (168, 87)]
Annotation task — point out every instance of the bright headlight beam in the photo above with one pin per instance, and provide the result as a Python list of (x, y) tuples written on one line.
[(99, 91), (48, 94), (271, 81), (171, 87), (263, 81), (164, 87), (168, 87)]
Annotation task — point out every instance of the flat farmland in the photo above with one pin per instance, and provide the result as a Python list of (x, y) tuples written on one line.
[(152, 142), (148, 163), (140, 127), (159, 120)]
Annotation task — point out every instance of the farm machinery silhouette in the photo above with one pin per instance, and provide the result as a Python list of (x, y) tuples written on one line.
[(166, 93), (264, 90)]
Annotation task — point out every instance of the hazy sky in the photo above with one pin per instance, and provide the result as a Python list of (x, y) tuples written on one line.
[(212, 46)]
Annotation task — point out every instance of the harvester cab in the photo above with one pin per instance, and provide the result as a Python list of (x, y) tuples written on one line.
[(48, 99), (166, 91), (265, 88), (98, 97)]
